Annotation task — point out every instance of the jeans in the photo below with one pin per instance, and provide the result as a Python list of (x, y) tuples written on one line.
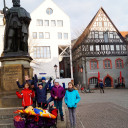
[(72, 117), (58, 105)]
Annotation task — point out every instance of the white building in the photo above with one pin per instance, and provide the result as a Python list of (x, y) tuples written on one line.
[(49, 38)]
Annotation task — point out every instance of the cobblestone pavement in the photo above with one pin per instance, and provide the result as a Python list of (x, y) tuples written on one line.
[(108, 110)]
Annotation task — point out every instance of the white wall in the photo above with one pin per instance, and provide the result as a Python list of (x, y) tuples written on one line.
[(47, 65)]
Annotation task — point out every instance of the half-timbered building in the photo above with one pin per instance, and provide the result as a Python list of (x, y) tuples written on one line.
[(100, 49)]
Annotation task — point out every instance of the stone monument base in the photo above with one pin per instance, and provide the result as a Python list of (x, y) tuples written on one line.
[(13, 68)]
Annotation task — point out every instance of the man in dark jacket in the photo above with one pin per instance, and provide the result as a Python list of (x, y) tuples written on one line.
[(101, 85), (58, 92)]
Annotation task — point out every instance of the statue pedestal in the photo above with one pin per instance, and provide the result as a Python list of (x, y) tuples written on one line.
[(13, 68)]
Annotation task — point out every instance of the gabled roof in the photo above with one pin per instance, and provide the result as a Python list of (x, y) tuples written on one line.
[(87, 30), (124, 33), (49, 4)]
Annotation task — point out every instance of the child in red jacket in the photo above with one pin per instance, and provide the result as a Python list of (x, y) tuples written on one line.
[(26, 95)]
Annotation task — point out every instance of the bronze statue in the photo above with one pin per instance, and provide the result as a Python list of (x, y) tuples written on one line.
[(16, 30)]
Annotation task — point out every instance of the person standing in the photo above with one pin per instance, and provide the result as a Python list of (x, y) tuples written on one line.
[(58, 93), (101, 85), (27, 79), (43, 81), (41, 92), (72, 98), (26, 95), (31, 82)]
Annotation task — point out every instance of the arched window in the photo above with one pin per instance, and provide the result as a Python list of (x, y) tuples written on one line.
[(94, 64), (107, 63), (119, 63), (93, 80)]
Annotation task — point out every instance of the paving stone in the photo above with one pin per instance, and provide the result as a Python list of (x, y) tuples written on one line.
[(96, 110)]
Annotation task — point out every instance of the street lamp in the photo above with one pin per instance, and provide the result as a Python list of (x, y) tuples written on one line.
[(55, 67)]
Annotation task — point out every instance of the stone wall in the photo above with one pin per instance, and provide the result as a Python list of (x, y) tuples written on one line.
[(113, 73)]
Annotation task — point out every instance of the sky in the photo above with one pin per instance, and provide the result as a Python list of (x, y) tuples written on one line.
[(81, 12)]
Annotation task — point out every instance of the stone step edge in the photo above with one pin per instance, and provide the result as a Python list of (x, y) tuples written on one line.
[(10, 124), (9, 108), (6, 117)]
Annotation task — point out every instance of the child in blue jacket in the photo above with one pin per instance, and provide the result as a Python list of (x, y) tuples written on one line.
[(72, 98)]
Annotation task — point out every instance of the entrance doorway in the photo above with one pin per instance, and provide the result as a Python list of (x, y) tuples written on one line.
[(108, 82)]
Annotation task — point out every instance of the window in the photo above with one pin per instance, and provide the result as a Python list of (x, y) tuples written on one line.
[(93, 80), (101, 35), (123, 47), (117, 47), (41, 35), (65, 35), (112, 47), (39, 22), (91, 48), (96, 35), (34, 35), (102, 47), (47, 35), (46, 23), (107, 64), (49, 11), (59, 35), (60, 23), (42, 52), (111, 35), (53, 23), (107, 47), (106, 37), (94, 64), (119, 63), (97, 48)]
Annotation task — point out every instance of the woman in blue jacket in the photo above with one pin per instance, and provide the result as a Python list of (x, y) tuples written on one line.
[(72, 98)]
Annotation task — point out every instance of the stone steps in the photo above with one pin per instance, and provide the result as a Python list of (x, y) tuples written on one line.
[(10, 101), (7, 123), (7, 116)]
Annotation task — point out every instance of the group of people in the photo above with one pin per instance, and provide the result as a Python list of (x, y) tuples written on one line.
[(36, 94)]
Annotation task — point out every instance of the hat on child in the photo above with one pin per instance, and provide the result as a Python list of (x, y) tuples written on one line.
[(43, 78), (57, 81)]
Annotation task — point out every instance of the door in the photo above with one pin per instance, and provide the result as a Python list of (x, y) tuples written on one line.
[(107, 82)]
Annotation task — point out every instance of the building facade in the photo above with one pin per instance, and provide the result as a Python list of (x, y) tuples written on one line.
[(100, 53), (50, 40)]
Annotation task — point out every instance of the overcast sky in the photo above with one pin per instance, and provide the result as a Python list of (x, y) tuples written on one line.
[(82, 11)]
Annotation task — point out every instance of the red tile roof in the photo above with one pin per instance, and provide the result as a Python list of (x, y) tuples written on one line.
[(124, 33)]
